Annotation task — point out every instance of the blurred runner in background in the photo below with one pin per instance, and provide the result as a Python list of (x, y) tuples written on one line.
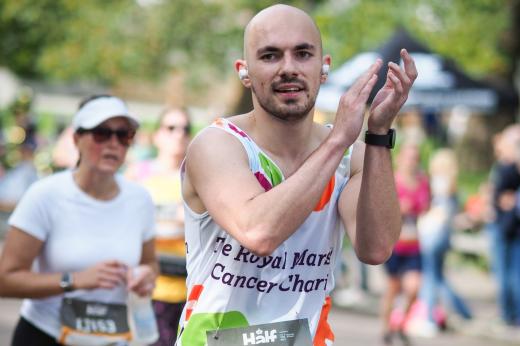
[(161, 177), (74, 236)]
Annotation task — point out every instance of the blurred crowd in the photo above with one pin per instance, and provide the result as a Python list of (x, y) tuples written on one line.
[(418, 299)]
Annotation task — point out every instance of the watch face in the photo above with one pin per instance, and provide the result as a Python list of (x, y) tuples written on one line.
[(66, 282)]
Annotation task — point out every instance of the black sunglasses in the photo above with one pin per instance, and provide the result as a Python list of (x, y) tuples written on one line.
[(102, 134), (171, 128)]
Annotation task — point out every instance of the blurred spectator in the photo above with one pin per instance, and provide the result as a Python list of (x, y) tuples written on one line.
[(477, 211), (20, 110), (404, 265), (433, 126), (435, 227), (2, 148), (65, 154), (161, 176), (16, 180), (142, 149), (351, 277), (504, 230)]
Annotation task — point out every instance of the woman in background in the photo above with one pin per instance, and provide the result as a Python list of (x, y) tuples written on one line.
[(74, 236), (435, 228), (404, 265), (161, 177)]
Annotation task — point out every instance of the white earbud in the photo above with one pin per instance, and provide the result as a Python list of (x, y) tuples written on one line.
[(242, 73), (325, 69)]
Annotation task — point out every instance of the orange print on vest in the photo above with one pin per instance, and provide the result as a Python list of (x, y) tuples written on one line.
[(192, 299), (326, 195), (324, 331), (218, 122)]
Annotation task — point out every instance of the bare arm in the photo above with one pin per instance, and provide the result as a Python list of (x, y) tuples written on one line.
[(18, 281), (368, 205), (259, 220), (218, 175), (16, 278), (148, 256), (7, 207)]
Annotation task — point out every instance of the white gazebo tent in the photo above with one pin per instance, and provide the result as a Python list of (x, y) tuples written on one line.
[(439, 86)]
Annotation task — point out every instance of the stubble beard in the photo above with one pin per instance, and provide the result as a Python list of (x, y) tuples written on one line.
[(289, 111)]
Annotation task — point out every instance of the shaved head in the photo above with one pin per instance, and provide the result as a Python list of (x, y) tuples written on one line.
[(277, 18), (282, 62)]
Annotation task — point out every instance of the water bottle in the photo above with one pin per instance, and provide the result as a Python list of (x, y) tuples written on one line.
[(142, 318)]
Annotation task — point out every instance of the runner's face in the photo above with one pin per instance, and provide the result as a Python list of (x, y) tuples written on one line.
[(284, 64)]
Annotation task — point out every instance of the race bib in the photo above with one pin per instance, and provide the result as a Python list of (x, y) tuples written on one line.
[(88, 323), (287, 333)]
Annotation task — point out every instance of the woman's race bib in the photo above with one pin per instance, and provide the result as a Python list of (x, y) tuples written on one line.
[(89, 323)]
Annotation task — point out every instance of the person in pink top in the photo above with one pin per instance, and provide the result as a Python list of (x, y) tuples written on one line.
[(404, 265)]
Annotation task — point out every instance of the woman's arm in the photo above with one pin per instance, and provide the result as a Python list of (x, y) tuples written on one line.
[(17, 280)]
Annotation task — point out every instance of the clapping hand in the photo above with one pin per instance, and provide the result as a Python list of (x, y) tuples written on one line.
[(352, 105), (389, 100)]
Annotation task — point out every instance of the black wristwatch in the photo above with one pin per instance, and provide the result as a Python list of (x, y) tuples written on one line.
[(387, 141), (66, 282)]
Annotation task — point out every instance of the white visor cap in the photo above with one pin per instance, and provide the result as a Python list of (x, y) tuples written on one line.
[(101, 109)]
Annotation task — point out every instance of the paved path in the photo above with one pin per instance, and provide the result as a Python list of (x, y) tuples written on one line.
[(357, 322), (351, 328)]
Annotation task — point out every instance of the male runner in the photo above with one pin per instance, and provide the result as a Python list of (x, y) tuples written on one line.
[(267, 192)]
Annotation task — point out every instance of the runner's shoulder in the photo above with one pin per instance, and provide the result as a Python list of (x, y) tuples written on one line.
[(215, 143)]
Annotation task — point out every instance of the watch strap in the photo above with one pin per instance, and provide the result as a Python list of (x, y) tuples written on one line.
[(66, 282), (386, 141)]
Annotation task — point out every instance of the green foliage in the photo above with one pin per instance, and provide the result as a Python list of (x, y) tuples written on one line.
[(469, 183), (255, 6), (110, 41), (468, 261), (26, 28), (59, 39), (46, 124), (468, 31), (197, 37)]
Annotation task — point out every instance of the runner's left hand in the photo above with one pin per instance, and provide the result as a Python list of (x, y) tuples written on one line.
[(391, 97), (141, 280)]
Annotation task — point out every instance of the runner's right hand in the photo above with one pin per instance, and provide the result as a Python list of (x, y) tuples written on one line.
[(352, 105)]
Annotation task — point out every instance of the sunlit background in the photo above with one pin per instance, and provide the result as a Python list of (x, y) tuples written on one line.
[(154, 53), (157, 52)]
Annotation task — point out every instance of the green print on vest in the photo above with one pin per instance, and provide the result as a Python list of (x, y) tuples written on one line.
[(195, 332), (271, 171)]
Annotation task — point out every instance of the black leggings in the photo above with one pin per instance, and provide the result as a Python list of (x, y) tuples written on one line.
[(26, 334)]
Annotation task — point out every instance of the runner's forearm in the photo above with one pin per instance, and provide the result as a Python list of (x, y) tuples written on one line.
[(290, 202), (378, 216)]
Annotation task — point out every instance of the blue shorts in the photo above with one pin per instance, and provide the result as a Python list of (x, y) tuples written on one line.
[(397, 265)]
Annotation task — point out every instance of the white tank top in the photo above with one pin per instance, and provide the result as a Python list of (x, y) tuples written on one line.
[(230, 287)]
